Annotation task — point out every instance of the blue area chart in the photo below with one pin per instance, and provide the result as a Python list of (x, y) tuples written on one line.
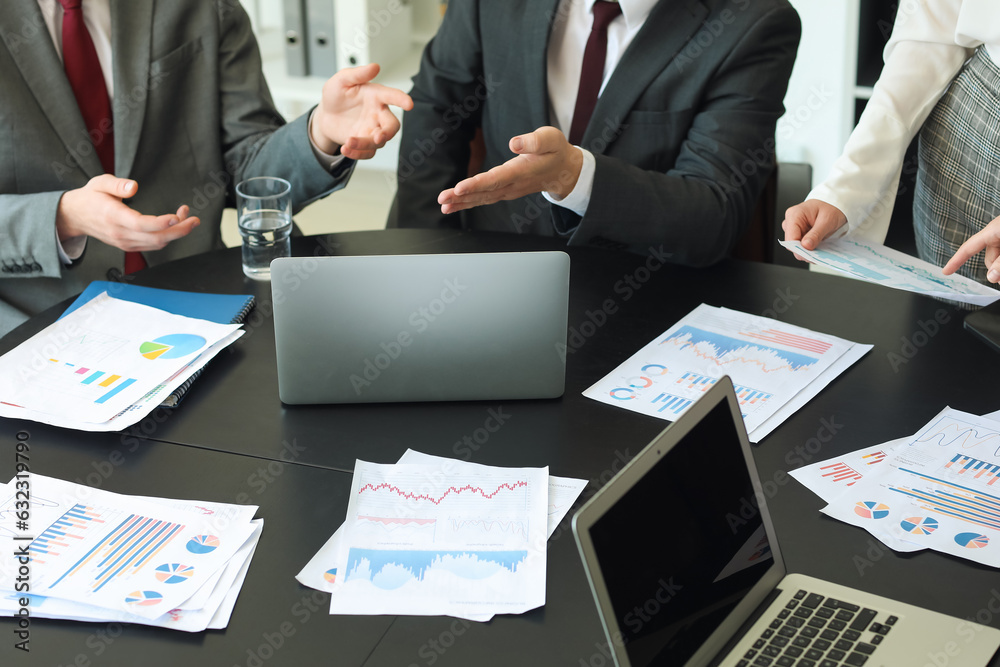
[(392, 569), (688, 336), (850, 265)]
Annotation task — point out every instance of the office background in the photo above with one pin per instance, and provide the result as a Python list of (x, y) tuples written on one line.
[(839, 59)]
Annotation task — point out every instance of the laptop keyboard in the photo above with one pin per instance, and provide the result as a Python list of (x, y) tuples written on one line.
[(817, 631)]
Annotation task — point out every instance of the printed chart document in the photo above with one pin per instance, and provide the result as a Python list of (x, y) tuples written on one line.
[(106, 365), (425, 540), (938, 489), (93, 555), (891, 268), (775, 367), (320, 572)]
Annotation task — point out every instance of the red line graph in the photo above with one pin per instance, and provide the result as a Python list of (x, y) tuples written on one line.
[(385, 486)]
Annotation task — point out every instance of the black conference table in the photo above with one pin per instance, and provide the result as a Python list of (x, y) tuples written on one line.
[(232, 440)]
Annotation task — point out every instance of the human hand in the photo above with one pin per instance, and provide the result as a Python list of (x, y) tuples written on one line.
[(546, 161), (353, 115), (811, 222), (97, 210), (988, 239)]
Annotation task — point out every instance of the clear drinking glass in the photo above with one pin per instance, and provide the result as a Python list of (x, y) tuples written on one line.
[(264, 210)]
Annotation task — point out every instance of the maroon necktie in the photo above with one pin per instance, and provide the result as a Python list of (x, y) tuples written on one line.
[(592, 73), (86, 78)]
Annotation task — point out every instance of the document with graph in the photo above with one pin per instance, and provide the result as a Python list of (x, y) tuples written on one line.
[(775, 367), (106, 365), (884, 266), (320, 572), (440, 540), (939, 489), (114, 552)]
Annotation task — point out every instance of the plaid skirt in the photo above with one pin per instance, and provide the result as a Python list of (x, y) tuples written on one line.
[(958, 182)]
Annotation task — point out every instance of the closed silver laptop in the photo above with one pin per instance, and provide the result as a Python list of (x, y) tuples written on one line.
[(485, 326), (684, 564)]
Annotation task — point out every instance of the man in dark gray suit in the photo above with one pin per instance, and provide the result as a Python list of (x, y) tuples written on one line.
[(675, 153), (192, 116)]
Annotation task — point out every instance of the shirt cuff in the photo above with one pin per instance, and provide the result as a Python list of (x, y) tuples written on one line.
[(329, 162), (71, 249), (579, 199)]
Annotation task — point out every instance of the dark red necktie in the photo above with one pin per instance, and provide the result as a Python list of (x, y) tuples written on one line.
[(86, 78), (592, 73)]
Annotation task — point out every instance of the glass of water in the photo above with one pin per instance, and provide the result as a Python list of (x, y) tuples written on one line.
[(264, 210)]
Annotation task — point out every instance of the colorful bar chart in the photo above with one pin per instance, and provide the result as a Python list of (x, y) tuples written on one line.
[(750, 396), (697, 382), (123, 551), (841, 472), (954, 500), (873, 458), (671, 403), (101, 379), (61, 535), (974, 468)]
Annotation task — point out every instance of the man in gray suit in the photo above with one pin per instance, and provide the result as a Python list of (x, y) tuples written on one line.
[(674, 156), (191, 116)]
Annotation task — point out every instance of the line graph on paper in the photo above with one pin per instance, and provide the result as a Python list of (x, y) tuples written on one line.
[(379, 528), (485, 528), (419, 495), (955, 433)]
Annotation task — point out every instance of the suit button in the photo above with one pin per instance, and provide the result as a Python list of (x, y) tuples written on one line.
[(114, 274)]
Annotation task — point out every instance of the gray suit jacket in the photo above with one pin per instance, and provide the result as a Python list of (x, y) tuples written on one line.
[(683, 134), (192, 117)]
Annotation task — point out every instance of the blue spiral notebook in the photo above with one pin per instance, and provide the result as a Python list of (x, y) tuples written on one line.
[(219, 308)]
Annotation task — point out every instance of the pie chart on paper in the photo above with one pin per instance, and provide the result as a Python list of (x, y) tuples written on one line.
[(172, 346)]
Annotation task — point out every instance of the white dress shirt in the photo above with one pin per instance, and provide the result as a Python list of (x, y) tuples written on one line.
[(930, 42), (568, 41)]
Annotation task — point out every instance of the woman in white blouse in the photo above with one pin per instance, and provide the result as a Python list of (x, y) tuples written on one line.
[(941, 78)]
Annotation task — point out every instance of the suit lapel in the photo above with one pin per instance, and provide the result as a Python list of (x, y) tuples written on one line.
[(28, 40), (535, 52), (667, 29), (131, 42)]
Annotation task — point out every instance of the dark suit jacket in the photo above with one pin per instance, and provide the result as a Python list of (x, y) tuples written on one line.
[(683, 134), (192, 117)]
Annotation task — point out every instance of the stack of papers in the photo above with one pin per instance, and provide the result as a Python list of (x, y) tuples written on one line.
[(90, 555), (776, 368), (884, 266), (937, 489), (433, 536), (106, 365)]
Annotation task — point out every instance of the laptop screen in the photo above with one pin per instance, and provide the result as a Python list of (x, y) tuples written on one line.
[(684, 545)]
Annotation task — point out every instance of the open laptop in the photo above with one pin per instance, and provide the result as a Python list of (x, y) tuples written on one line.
[(486, 326), (686, 572)]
